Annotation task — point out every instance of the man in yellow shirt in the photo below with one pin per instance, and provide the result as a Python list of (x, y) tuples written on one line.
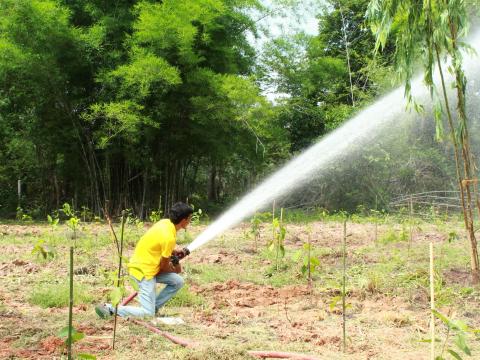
[(151, 264)]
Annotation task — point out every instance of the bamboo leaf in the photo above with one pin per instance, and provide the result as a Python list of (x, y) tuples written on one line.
[(454, 354), (462, 344)]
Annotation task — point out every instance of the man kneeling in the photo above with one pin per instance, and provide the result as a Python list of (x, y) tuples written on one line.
[(151, 264)]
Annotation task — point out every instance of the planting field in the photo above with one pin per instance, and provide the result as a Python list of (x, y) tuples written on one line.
[(237, 298)]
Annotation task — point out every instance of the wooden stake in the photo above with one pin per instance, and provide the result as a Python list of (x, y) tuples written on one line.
[(432, 306), (411, 227), (119, 275), (70, 308), (344, 287)]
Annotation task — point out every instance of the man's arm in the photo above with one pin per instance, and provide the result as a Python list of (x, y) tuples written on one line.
[(166, 266)]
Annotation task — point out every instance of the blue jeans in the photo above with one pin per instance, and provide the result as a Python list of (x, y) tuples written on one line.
[(150, 302)]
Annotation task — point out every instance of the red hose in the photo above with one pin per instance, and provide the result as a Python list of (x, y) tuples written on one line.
[(129, 298), (258, 354), (280, 355)]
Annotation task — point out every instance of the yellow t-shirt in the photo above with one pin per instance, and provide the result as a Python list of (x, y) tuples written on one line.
[(158, 242)]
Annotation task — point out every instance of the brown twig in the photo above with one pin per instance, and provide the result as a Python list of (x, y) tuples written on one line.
[(112, 231), (286, 311)]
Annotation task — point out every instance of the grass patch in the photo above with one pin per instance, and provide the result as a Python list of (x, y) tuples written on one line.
[(213, 353), (393, 236), (186, 298), (57, 295)]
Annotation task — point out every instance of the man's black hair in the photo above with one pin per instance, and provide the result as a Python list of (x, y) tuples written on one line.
[(178, 212)]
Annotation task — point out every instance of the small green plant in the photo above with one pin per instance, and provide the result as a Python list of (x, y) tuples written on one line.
[(72, 223), (53, 221), (308, 262), (43, 251), (196, 216), (276, 244), (255, 223), (453, 236), (22, 215), (155, 216), (460, 331), (86, 214), (75, 337)]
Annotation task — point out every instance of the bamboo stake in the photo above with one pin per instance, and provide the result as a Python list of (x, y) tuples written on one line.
[(278, 238), (70, 308), (411, 227), (309, 239), (119, 275), (432, 306), (344, 281)]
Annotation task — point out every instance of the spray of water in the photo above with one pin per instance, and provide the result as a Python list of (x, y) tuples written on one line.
[(366, 125)]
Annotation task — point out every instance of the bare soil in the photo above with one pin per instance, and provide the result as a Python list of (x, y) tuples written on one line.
[(242, 312)]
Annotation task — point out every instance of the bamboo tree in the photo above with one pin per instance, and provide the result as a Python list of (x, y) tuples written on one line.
[(432, 29), (347, 53)]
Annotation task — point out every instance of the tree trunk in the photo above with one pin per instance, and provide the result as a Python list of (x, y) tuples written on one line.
[(212, 188), (467, 157)]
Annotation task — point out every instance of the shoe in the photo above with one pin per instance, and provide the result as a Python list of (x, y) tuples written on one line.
[(103, 311)]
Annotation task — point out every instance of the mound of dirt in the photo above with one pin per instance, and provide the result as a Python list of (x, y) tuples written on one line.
[(250, 295)]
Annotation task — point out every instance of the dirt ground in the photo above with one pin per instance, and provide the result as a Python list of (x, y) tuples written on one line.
[(247, 305)]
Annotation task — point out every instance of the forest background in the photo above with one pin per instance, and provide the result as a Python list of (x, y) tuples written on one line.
[(139, 104)]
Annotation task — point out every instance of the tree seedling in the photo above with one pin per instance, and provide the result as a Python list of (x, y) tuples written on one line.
[(72, 334), (309, 262), (43, 251), (459, 331), (277, 243), (255, 223)]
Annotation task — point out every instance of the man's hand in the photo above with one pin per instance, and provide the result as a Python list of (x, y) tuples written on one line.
[(166, 266), (179, 253)]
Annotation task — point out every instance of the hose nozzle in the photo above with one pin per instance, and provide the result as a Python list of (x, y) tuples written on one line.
[(179, 255)]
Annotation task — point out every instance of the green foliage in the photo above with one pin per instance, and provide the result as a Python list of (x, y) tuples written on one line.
[(277, 243), (460, 331), (393, 236), (196, 216), (155, 216), (308, 262), (43, 251), (255, 227), (48, 295), (75, 337)]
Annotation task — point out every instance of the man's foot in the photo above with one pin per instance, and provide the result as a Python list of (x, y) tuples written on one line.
[(103, 311)]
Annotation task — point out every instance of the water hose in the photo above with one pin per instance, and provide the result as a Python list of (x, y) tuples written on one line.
[(255, 353)]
